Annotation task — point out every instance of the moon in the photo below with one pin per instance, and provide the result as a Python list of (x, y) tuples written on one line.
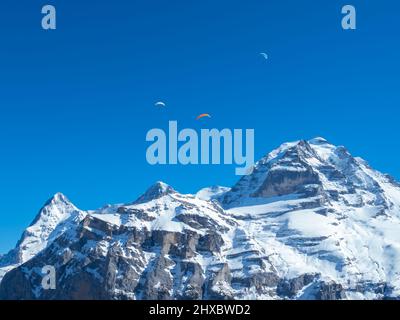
[(264, 55), (160, 104)]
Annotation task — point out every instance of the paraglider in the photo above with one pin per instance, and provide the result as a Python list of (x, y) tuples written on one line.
[(203, 115)]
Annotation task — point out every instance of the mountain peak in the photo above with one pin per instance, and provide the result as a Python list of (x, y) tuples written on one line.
[(292, 168), (160, 188), (157, 190), (52, 220), (57, 204), (58, 198), (59, 195)]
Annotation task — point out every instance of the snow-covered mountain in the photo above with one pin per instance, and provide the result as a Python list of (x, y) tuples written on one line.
[(316, 209), (310, 222), (57, 215)]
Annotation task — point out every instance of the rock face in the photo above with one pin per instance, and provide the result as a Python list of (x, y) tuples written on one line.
[(310, 222), (291, 174)]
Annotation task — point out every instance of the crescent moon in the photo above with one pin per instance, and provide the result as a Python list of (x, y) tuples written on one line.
[(159, 104)]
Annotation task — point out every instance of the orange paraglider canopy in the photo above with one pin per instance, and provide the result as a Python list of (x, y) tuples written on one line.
[(203, 115)]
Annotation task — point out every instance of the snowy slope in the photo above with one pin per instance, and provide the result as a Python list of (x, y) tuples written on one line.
[(212, 193), (162, 208)]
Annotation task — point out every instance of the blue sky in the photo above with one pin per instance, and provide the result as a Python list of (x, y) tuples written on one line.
[(77, 102)]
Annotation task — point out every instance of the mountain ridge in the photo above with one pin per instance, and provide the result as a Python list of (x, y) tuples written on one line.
[(310, 222)]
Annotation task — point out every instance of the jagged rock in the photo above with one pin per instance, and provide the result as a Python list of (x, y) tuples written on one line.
[(192, 288), (282, 182), (290, 287), (218, 286), (156, 191), (261, 282), (330, 291), (211, 242)]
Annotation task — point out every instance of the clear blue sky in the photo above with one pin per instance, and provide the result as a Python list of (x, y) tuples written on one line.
[(76, 102)]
